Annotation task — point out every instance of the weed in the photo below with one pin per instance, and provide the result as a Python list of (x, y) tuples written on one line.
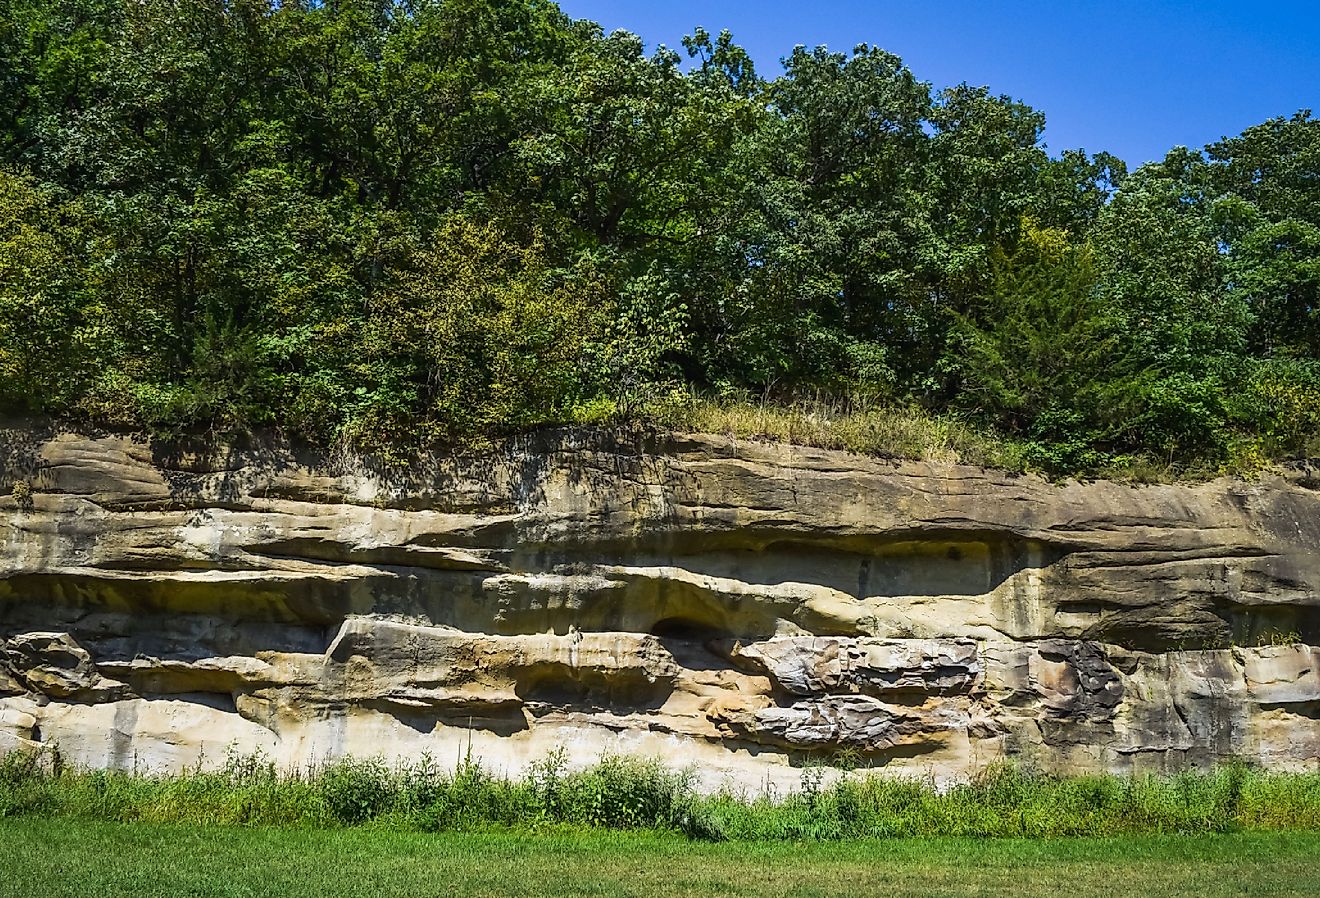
[(22, 495), (627, 793)]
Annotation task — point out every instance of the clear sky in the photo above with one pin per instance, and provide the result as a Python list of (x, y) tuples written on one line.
[(1133, 78)]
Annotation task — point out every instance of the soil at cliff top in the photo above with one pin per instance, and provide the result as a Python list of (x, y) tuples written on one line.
[(68, 857)]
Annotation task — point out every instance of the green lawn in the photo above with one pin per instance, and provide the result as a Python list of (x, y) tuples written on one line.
[(58, 857)]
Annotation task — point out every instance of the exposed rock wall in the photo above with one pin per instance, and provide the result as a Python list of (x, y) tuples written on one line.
[(737, 606)]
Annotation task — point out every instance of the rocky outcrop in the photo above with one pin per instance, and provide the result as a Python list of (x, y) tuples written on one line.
[(812, 665), (738, 606), (56, 666)]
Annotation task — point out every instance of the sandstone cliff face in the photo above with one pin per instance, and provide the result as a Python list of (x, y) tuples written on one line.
[(737, 606)]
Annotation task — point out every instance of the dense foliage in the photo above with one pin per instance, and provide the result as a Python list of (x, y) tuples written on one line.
[(637, 793), (409, 222)]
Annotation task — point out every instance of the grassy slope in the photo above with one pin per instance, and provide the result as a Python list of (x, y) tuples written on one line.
[(78, 858)]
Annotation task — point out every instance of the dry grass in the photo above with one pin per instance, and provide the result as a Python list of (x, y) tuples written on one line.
[(865, 428), (874, 428)]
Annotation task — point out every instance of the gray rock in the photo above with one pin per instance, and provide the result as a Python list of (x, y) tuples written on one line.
[(847, 722), (814, 665)]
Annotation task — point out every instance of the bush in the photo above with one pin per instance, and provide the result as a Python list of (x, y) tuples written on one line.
[(356, 791), (628, 793), (1280, 402)]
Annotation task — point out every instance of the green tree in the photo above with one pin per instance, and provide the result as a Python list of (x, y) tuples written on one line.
[(1161, 270), (1043, 356), (1269, 212), (1074, 189), (41, 285), (832, 242), (52, 59), (475, 332)]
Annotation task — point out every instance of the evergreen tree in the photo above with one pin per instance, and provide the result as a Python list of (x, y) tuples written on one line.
[(1042, 356)]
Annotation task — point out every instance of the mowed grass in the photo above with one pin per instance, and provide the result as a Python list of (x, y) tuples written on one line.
[(70, 857)]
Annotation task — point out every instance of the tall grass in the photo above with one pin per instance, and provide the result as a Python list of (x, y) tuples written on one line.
[(1006, 801), (866, 427), (630, 793), (870, 426)]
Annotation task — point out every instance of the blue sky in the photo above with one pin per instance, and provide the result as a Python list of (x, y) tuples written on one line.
[(1128, 77)]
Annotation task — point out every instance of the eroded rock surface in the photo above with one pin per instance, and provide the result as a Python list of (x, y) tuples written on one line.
[(813, 665), (55, 665), (738, 606)]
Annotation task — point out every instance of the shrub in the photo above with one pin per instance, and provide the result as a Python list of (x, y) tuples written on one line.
[(355, 790)]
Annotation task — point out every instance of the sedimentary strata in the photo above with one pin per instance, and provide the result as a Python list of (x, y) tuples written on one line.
[(738, 606)]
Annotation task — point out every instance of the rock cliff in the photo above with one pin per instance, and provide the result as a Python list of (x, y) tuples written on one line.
[(737, 606)]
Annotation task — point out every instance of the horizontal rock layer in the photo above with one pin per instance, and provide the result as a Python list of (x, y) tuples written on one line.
[(738, 606)]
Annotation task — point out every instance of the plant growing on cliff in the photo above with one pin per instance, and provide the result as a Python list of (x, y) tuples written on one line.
[(21, 493)]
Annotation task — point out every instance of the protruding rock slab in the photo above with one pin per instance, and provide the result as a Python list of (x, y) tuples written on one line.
[(207, 675), (1286, 674), (814, 665), (374, 656), (842, 722), (55, 665)]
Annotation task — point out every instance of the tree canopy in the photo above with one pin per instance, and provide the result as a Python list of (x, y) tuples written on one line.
[(409, 222)]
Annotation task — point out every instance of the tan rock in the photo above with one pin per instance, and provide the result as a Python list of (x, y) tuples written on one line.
[(1287, 674), (56, 665), (217, 675), (18, 723), (10, 684), (151, 736), (728, 603)]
